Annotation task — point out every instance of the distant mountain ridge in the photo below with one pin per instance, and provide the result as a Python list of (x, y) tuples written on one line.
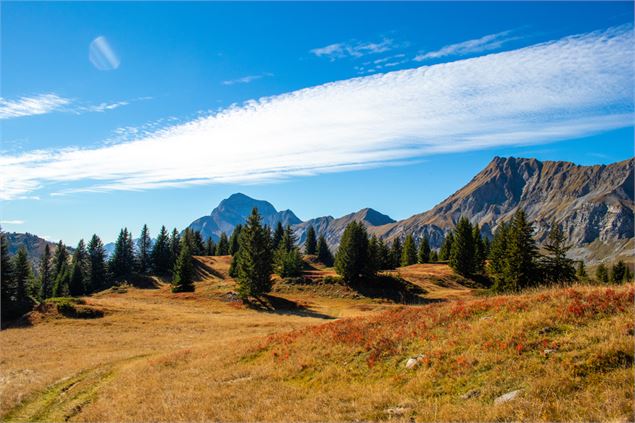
[(594, 205)]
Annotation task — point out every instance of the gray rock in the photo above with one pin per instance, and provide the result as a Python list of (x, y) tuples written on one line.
[(473, 393), (413, 362), (510, 396)]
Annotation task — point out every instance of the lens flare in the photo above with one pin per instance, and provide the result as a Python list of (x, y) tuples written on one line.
[(102, 55)]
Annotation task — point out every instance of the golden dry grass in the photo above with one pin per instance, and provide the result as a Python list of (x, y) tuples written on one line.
[(157, 356)]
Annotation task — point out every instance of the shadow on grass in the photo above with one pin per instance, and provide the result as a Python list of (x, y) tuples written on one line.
[(203, 271), (392, 288), (278, 305)]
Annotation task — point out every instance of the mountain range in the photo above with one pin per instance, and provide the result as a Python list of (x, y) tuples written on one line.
[(593, 204)]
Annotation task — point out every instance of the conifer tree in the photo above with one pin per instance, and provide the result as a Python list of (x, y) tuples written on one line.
[(374, 257), (233, 240), (628, 276), (395, 253), (581, 271), (409, 252), (618, 272), (478, 263), (446, 247), (277, 236), (175, 247), (424, 250), (310, 244), (7, 287), (98, 273), (462, 251), (498, 256), (254, 258), (222, 248), (287, 258), (46, 274), (384, 254), (79, 271), (183, 275), (520, 268), (22, 279), (161, 253), (122, 261), (210, 247), (434, 256), (602, 273), (60, 259), (557, 267), (324, 255), (351, 260), (198, 246), (144, 245)]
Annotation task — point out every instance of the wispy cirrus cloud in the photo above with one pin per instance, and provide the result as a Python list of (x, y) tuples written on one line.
[(11, 222), (30, 106), (246, 79), (353, 49), (479, 45), (568, 88)]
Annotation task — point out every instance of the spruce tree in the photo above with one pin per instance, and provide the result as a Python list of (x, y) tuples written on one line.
[(520, 268), (79, 271), (222, 248), (161, 253), (618, 272), (351, 260), (434, 256), (628, 275), (446, 247), (374, 254), (395, 253), (254, 258), (97, 271), (324, 255), (198, 246), (557, 267), (7, 287), (310, 244), (22, 279), (60, 259), (210, 247), (462, 251), (144, 245), (287, 258), (478, 263), (175, 247), (409, 252), (46, 274), (602, 273), (581, 271), (424, 250), (498, 257), (233, 240), (277, 236), (122, 261), (62, 282), (384, 255), (183, 275)]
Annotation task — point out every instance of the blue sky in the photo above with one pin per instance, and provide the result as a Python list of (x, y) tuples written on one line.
[(120, 114)]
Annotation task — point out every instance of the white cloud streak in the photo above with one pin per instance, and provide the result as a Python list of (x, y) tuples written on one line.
[(246, 79), (564, 89), (353, 49), (30, 106), (11, 222), (486, 43)]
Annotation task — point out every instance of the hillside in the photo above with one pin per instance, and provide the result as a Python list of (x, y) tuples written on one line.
[(34, 245)]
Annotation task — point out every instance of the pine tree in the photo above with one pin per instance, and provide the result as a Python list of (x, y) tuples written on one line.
[(122, 261), (22, 278), (288, 239), (498, 257), (175, 247), (254, 258), (161, 254), (462, 251), (183, 275), (446, 247), (97, 271), (602, 273), (198, 246), (374, 257), (618, 271), (409, 252), (79, 271), (324, 255), (144, 245), (384, 255), (351, 260), (233, 240), (434, 256), (60, 259), (628, 276), (557, 267), (581, 271), (287, 258), (7, 287), (277, 236), (478, 263), (222, 248), (62, 281), (424, 250), (210, 247), (310, 244), (395, 253), (520, 268), (46, 274)]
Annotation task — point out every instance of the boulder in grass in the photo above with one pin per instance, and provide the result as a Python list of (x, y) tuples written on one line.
[(510, 396)]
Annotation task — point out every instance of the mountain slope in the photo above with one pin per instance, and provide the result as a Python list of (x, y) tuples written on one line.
[(235, 210)]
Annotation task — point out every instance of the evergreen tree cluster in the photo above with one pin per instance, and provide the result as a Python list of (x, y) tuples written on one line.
[(618, 273)]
